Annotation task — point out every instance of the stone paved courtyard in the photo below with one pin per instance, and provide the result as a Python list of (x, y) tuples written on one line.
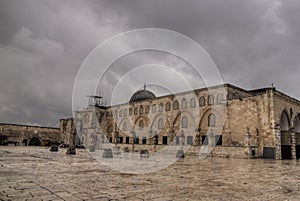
[(35, 173)]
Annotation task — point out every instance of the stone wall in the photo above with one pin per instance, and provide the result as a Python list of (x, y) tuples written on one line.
[(26, 134)]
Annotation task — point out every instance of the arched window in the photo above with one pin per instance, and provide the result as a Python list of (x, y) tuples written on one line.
[(153, 108), (211, 120), (175, 105), (135, 111), (160, 123), (141, 109), (141, 124), (183, 104), (184, 122), (125, 112), (160, 107), (202, 101), (120, 113), (110, 129), (192, 103), (219, 98), (210, 100), (116, 113), (124, 126), (147, 109), (130, 111), (168, 106)]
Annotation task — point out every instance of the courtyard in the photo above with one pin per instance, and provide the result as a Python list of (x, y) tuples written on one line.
[(35, 173)]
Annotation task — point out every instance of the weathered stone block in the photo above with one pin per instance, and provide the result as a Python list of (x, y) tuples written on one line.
[(144, 153), (54, 148), (71, 150), (180, 154), (107, 153)]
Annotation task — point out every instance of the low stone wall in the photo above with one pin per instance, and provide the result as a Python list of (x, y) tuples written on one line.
[(218, 151), (229, 152)]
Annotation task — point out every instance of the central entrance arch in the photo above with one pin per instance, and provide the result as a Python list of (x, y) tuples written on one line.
[(286, 144), (34, 142)]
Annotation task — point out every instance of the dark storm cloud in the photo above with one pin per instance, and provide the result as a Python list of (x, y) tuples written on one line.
[(43, 43)]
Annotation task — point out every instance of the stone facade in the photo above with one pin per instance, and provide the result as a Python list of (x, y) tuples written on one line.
[(28, 135), (262, 123), (236, 118)]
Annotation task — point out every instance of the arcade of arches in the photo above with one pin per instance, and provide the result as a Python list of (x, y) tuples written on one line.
[(243, 123)]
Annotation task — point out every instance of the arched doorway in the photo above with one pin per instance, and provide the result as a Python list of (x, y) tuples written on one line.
[(297, 133), (286, 144), (34, 142)]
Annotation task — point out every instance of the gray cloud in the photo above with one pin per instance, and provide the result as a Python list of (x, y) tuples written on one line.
[(43, 44)]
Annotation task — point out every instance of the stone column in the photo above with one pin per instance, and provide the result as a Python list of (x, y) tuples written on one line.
[(293, 143), (277, 142), (71, 150), (247, 144), (211, 143)]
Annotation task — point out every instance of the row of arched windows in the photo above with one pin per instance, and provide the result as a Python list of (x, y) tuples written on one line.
[(184, 122), (193, 104)]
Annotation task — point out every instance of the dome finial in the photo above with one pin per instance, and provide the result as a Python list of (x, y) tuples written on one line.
[(145, 86)]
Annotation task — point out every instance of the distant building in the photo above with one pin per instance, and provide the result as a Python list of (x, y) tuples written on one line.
[(16, 134), (240, 123)]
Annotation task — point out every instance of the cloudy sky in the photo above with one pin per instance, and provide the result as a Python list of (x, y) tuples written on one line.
[(43, 44)]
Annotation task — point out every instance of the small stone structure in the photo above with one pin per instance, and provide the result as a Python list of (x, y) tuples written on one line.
[(54, 148), (144, 153), (107, 153), (180, 154)]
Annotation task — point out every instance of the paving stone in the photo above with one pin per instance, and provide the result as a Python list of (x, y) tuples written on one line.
[(29, 173)]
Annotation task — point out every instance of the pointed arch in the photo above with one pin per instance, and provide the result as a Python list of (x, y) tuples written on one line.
[(183, 104), (141, 109), (184, 122), (141, 124), (176, 105), (201, 101), (124, 127), (284, 121), (160, 107), (192, 103), (168, 106), (177, 122), (160, 123), (297, 123), (211, 100), (211, 120), (285, 136)]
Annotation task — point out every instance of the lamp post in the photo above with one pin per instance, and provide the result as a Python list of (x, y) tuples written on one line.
[(150, 137), (102, 140), (182, 136), (155, 141), (211, 138), (116, 138), (172, 134), (198, 130), (133, 140), (180, 152)]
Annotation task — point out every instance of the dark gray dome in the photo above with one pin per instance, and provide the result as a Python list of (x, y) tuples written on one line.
[(142, 95)]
